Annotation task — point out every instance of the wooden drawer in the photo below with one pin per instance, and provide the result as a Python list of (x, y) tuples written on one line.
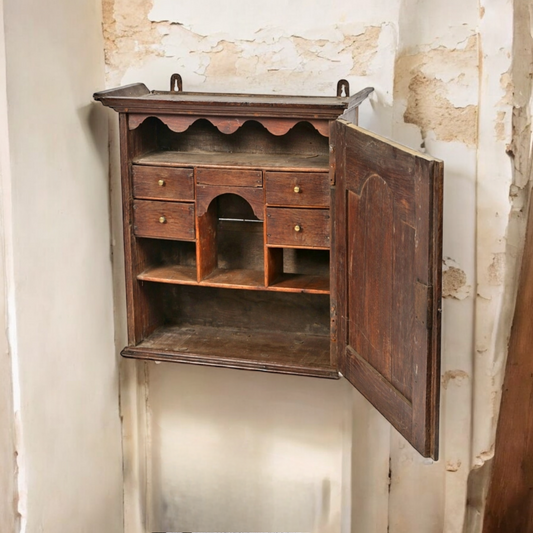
[(229, 177), (160, 183), (305, 189), (306, 228), (163, 220)]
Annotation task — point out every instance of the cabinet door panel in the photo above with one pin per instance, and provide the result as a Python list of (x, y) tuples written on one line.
[(387, 246)]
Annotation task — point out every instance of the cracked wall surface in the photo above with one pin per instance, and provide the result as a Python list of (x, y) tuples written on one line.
[(444, 84)]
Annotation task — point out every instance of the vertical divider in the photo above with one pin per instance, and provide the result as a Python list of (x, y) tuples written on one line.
[(273, 256), (206, 242), (273, 264)]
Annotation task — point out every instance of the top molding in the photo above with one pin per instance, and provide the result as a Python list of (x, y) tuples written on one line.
[(137, 98)]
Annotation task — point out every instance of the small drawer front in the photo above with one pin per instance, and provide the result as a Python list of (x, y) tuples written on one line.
[(229, 177), (161, 183), (298, 227), (303, 189), (163, 220)]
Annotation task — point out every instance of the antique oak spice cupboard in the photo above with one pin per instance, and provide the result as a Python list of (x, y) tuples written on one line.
[(266, 233)]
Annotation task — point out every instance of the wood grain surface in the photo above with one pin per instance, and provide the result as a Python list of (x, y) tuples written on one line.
[(509, 506), (298, 189), (388, 242), (163, 183), (298, 227)]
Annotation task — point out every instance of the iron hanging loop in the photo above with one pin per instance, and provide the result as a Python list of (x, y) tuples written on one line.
[(175, 79), (343, 84)]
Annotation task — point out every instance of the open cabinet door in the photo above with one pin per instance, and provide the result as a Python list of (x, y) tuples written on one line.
[(387, 257)]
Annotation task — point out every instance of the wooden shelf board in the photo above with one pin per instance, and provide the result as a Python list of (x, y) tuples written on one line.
[(302, 283), (282, 352), (174, 274), (240, 279), (237, 279), (317, 163)]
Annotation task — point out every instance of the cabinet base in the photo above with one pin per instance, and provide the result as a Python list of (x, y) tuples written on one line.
[(284, 353)]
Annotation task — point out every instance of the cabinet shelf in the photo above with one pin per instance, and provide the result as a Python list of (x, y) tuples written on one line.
[(237, 279), (305, 163), (289, 353)]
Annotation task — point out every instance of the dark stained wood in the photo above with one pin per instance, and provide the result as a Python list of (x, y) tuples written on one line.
[(283, 353), (370, 285), (273, 263), (298, 189), (164, 220), (206, 229), (205, 194), (216, 104), (229, 178), (163, 183), (237, 279), (239, 276), (388, 244), (178, 274), (304, 283), (509, 506), (227, 125), (251, 138), (306, 228), (142, 318), (235, 160)]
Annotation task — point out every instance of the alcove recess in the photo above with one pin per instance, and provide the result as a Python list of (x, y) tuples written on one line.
[(233, 261)]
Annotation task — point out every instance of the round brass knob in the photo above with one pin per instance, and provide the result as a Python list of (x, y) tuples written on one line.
[(297, 228), (162, 220), (296, 189), (161, 183)]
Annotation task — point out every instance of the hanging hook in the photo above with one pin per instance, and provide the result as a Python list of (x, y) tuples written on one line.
[(343, 85), (175, 79)]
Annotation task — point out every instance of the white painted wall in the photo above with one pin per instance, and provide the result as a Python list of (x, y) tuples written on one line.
[(7, 414), (443, 84), (58, 275)]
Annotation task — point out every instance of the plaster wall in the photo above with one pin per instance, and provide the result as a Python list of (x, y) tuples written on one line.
[(444, 84), (7, 416), (58, 274)]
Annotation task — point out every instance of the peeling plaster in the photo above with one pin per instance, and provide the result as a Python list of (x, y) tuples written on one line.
[(454, 281), (497, 269), (453, 466), (457, 376), (129, 37), (483, 457), (437, 87), (132, 39)]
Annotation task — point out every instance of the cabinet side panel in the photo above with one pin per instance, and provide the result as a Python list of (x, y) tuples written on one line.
[(142, 318)]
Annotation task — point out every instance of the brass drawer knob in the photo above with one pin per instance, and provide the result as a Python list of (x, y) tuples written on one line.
[(162, 220), (296, 189), (161, 183), (297, 228)]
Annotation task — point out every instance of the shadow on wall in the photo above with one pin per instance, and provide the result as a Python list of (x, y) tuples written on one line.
[(257, 454)]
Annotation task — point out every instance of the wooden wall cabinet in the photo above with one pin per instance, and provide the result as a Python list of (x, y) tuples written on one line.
[(266, 233)]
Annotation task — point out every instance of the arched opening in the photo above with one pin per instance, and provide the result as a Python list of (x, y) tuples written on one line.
[(231, 242)]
